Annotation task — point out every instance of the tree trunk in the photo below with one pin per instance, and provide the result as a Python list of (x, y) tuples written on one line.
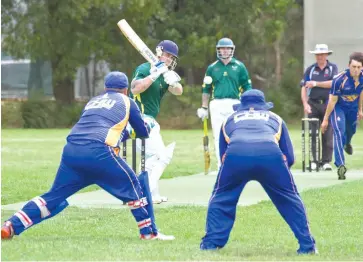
[(64, 90), (278, 72)]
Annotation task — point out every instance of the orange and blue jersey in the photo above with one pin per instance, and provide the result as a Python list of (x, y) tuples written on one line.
[(254, 130), (347, 89), (255, 145), (104, 120)]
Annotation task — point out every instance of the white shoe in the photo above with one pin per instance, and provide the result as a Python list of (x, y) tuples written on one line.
[(313, 165), (327, 167), (159, 199), (159, 236)]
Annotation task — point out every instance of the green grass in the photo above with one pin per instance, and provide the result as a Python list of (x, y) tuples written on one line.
[(335, 215), (33, 156)]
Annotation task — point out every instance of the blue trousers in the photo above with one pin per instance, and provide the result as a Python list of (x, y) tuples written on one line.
[(275, 177), (81, 166), (344, 123)]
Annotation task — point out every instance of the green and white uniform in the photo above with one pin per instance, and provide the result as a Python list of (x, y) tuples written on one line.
[(158, 156), (228, 83)]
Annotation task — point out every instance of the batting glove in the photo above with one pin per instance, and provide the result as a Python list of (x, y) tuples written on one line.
[(171, 78), (202, 113), (158, 69)]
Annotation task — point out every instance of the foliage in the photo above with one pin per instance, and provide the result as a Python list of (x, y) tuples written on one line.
[(267, 35)]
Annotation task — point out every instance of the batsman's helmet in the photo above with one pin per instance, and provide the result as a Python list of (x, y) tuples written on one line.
[(116, 79), (225, 42), (169, 47)]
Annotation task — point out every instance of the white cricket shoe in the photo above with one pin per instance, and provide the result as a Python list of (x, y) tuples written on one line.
[(158, 236), (327, 167), (159, 199), (313, 166)]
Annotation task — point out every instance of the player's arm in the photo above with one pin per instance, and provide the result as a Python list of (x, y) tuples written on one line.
[(143, 80), (176, 89), (222, 143), (333, 97), (360, 106), (136, 121), (202, 112), (285, 145), (245, 80), (322, 84)]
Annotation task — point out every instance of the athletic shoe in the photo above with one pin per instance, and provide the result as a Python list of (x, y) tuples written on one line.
[(327, 167), (206, 246), (310, 251), (348, 149), (7, 231), (313, 166), (341, 172), (158, 236), (159, 199)]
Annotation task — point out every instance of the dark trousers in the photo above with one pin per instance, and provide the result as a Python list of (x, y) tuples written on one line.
[(318, 111)]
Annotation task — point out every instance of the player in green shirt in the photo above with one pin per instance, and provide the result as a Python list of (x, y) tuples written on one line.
[(149, 85), (224, 82)]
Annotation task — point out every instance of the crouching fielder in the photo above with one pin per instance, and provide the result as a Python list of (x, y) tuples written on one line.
[(255, 145), (91, 157)]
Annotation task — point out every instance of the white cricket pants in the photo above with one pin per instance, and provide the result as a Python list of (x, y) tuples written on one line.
[(219, 110)]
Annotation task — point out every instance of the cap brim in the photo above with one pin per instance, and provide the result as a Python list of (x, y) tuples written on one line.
[(320, 52), (266, 106)]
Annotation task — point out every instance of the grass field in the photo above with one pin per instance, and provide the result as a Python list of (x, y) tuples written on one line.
[(30, 159), (33, 156), (335, 215)]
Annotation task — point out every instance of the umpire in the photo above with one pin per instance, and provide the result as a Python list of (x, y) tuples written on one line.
[(315, 96)]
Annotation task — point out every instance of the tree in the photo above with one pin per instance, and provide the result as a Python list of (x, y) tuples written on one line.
[(64, 32)]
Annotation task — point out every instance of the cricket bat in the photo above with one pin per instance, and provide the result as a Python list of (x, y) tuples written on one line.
[(136, 41), (206, 147)]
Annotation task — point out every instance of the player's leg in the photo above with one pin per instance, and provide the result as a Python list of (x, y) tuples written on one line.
[(222, 204), (350, 127), (157, 157), (326, 141), (40, 208), (117, 178), (279, 184), (337, 120), (217, 117)]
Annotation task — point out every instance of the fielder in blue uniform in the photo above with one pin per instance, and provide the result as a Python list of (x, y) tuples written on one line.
[(91, 157), (255, 145), (344, 109)]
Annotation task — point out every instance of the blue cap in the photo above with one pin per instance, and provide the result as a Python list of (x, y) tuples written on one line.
[(116, 79), (255, 99), (169, 47)]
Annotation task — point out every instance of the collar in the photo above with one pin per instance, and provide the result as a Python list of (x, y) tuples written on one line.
[(327, 64), (233, 61)]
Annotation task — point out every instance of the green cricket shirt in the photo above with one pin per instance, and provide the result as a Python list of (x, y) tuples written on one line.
[(149, 100), (229, 81)]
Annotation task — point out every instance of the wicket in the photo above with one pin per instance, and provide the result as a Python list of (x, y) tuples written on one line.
[(311, 123), (133, 154)]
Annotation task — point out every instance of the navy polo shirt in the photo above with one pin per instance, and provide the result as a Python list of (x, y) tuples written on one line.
[(314, 73)]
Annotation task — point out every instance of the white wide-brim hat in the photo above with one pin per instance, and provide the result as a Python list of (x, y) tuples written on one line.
[(321, 49)]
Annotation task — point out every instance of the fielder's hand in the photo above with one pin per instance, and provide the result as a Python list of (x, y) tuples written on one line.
[(158, 69), (310, 84), (307, 109), (202, 113), (360, 115), (324, 126), (171, 78)]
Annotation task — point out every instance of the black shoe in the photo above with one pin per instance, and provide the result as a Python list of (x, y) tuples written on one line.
[(341, 172), (348, 149)]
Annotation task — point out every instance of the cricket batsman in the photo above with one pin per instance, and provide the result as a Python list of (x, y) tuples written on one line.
[(148, 87), (255, 145), (224, 82), (345, 108), (91, 157)]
